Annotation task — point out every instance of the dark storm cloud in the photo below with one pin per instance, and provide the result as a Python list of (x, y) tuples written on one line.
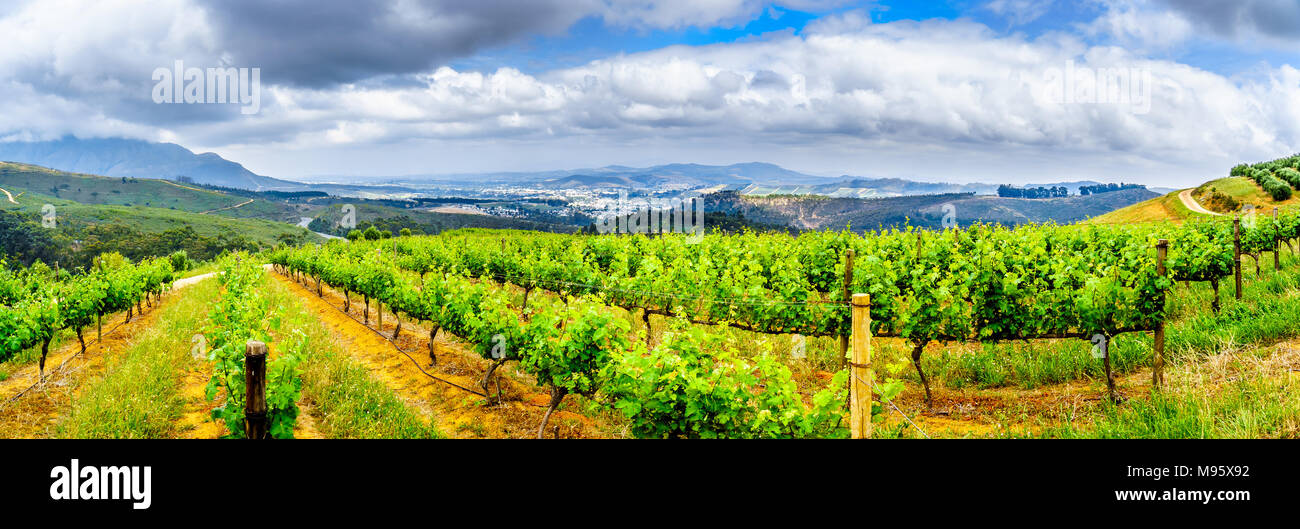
[(319, 43), (1234, 18)]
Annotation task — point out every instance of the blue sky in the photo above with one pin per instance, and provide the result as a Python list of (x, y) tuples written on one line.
[(963, 90), (591, 38)]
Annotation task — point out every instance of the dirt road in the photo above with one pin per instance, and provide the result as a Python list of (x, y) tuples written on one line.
[(1192, 204)]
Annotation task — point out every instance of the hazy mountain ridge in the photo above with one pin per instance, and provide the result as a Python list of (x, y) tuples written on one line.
[(819, 212), (138, 159)]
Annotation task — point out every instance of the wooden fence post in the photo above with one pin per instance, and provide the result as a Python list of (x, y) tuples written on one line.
[(859, 382), (255, 420), (848, 284), (1158, 360), (1277, 245), (1236, 239)]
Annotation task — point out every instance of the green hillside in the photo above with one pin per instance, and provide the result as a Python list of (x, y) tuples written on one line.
[(19, 179), (82, 231)]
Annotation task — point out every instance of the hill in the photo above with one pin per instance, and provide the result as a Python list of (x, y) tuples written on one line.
[(138, 159), (1228, 195), (127, 191), (1225, 196)]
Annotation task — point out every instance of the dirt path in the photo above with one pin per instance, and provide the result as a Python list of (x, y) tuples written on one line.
[(169, 182), (457, 413), (239, 205), (1192, 204), (8, 196)]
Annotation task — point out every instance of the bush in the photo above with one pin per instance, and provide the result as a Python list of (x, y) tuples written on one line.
[(1290, 176), (355, 235), (180, 261), (1276, 188), (372, 234)]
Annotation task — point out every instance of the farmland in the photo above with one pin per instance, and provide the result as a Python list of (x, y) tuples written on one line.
[(1092, 330)]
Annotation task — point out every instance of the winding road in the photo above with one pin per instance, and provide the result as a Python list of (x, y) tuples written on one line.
[(9, 196), (1192, 204)]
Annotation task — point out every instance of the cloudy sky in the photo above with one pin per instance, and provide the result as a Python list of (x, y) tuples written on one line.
[(959, 90)]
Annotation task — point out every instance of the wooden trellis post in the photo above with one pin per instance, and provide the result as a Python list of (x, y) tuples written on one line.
[(1158, 360), (859, 382), (1236, 239), (1277, 245), (255, 420)]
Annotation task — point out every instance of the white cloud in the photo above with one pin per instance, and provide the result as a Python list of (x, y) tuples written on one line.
[(1019, 12), (1134, 24), (935, 99)]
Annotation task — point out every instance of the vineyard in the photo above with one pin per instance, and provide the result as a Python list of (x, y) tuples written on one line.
[(39, 302), (498, 333), (570, 328)]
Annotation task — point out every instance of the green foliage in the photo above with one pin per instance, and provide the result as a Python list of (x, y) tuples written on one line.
[(242, 314), (691, 387), (983, 283), (36, 302), (180, 261)]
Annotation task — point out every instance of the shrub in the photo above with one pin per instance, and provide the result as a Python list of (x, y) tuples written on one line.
[(1275, 187), (1290, 176), (180, 261)]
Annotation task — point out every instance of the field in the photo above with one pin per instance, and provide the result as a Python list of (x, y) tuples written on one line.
[(1044, 331), (1165, 208), (368, 361)]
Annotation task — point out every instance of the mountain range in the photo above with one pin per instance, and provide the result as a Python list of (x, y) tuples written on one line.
[(135, 158), (139, 159)]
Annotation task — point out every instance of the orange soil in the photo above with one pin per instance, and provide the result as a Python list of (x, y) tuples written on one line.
[(457, 413)]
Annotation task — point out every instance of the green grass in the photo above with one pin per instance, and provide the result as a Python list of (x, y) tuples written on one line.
[(1251, 407), (110, 191), (1165, 208), (349, 403), (1246, 191), (137, 396)]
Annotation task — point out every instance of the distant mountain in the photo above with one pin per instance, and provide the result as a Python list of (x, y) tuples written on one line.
[(751, 179), (819, 212), (139, 159)]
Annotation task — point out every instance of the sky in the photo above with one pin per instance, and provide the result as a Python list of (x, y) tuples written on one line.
[(1160, 92)]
